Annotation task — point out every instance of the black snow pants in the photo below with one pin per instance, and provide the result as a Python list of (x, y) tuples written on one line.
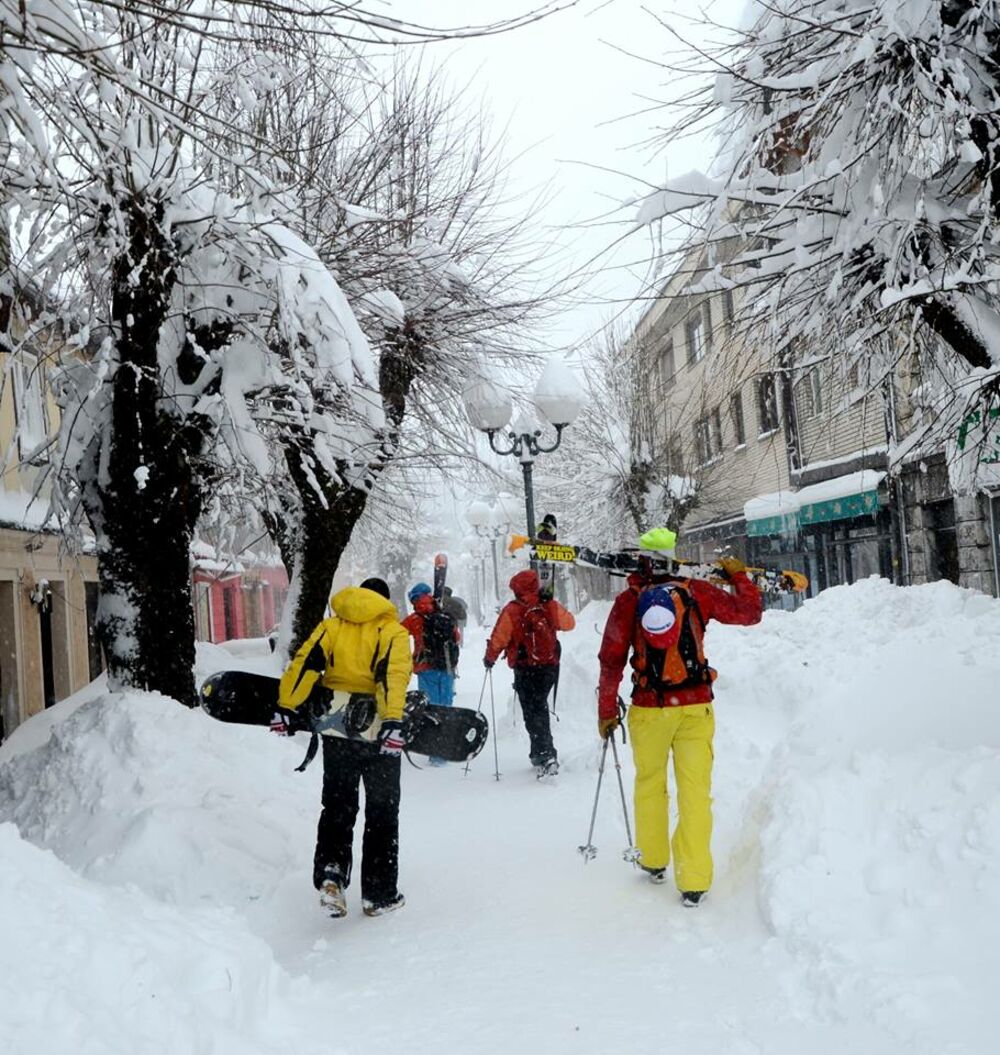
[(533, 685), (346, 763)]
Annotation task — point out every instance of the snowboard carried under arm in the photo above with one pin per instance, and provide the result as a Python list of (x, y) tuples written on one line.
[(455, 734)]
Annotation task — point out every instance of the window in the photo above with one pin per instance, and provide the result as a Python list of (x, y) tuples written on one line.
[(675, 457), (203, 610), (728, 308), (697, 336), (229, 596), (736, 413), (811, 393), (703, 441), (767, 405), (816, 389), (32, 425), (942, 539), (708, 437), (667, 365)]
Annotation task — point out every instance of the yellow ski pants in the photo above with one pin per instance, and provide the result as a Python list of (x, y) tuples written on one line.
[(688, 732)]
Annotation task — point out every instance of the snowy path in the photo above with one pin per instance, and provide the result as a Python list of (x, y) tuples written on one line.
[(857, 848)]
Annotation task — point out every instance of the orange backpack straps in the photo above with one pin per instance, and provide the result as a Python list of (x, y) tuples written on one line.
[(683, 664)]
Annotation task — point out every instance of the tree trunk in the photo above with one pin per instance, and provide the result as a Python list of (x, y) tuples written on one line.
[(145, 503)]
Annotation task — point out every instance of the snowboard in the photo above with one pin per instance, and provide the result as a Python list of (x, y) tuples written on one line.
[(625, 562), (456, 734)]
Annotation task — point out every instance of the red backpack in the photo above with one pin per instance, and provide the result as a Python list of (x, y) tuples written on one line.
[(537, 644)]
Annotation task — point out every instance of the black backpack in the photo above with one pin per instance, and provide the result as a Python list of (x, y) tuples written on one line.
[(440, 647)]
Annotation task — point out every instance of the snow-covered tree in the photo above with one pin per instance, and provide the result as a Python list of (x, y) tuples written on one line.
[(613, 475), (856, 196), (201, 322), (401, 190), (177, 292)]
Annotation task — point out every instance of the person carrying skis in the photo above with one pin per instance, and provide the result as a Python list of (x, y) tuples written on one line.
[(361, 648), (526, 631), (435, 645), (661, 620)]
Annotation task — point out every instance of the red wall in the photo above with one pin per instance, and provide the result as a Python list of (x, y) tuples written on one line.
[(254, 601)]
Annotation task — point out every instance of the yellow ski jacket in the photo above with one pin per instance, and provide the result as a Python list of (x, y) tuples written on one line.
[(361, 648)]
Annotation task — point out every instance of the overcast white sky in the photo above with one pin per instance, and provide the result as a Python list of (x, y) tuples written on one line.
[(566, 95)]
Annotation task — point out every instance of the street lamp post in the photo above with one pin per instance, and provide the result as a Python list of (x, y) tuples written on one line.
[(489, 409), (492, 524)]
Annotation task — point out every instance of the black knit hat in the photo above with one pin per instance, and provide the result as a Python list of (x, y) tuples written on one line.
[(379, 586)]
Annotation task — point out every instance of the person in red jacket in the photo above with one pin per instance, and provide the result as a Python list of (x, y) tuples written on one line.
[(526, 631), (661, 622)]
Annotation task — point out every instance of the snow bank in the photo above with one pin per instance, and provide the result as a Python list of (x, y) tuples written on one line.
[(877, 820), (133, 789), (105, 970)]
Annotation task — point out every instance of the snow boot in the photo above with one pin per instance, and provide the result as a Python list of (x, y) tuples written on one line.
[(693, 898), (655, 875), (332, 898), (547, 769), (380, 908)]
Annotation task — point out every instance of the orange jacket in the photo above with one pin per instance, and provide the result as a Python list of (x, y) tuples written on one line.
[(743, 608), (506, 633)]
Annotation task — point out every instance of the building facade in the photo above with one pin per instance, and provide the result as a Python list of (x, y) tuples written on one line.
[(790, 457)]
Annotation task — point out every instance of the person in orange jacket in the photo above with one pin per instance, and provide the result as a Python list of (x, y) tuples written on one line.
[(526, 631), (661, 621)]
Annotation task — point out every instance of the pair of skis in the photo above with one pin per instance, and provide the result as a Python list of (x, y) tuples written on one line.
[(645, 562)]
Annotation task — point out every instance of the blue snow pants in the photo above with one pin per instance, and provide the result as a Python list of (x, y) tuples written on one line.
[(439, 686)]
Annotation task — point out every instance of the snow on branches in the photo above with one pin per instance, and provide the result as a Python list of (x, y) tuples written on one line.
[(857, 190)]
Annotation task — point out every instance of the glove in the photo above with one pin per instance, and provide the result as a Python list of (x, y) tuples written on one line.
[(390, 738), (732, 566), (488, 663), (607, 726), (280, 726)]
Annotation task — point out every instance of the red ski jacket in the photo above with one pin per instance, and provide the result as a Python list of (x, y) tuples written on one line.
[(742, 608)]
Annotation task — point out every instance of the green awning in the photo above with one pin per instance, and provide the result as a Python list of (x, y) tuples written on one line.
[(843, 497), (857, 505), (773, 525)]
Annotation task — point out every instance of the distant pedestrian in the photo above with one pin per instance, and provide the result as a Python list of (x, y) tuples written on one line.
[(435, 645), (456, 608), (526, 632), (547, 529)]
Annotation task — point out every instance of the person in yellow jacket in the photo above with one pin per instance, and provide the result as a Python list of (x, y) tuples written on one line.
[(361, 648)]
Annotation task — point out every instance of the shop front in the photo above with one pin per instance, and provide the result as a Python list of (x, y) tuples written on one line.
[(837, 531)]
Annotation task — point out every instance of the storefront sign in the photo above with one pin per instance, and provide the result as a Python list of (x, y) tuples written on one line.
[(985, 433), (782, 525), (839, 509)]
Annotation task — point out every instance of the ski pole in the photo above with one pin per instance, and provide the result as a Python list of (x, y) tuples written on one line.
[(493, 717), (479, 710), (589, 850), (631, 853)]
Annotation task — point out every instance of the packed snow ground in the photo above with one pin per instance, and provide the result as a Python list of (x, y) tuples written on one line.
[(155, 888)]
